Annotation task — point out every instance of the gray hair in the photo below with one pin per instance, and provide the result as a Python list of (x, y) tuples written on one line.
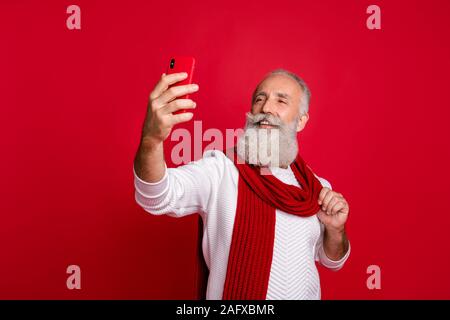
[(306, 97)]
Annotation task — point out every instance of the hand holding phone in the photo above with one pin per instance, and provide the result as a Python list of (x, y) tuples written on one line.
[(182, 64), (164, 103)]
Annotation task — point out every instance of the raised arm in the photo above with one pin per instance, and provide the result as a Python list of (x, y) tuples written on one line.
[(174, 191), (149, 163)]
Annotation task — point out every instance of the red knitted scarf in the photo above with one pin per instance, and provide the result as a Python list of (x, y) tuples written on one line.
[(251, 250)]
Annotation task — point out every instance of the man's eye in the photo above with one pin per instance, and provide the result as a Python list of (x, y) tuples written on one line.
[(282, 101), (258, 99)]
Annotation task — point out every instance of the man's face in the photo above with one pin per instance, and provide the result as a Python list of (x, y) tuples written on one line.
[(275, 110), (278, 95)]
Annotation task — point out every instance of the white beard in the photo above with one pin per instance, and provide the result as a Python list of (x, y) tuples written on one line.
[(272, 147)]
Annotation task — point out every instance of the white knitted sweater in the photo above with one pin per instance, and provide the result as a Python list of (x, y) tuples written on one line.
[(209, 186)]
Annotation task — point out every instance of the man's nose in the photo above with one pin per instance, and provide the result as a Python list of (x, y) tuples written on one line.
[(268, 107)]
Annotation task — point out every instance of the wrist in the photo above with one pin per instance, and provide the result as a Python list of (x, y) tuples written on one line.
[(335, 233), (149, 143), (147, 151), (335, 243), (149, 162)]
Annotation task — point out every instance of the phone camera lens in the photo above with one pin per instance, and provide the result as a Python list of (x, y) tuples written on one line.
[(172, 63)]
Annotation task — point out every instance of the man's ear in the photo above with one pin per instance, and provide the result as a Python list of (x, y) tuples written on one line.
[(302, 121)]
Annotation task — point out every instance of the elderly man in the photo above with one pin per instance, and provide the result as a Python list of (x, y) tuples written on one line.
[(263, 231)]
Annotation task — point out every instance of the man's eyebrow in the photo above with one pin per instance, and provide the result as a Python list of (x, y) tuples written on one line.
[(261, 93), (278, 94), (283, 95)]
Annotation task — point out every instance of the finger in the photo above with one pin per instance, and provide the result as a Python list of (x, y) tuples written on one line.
[(337, 207), (327, 200), (181, 117), (165, 82), (321, 215), (339, 195), (346, 208), (174, 92), (178, 104), (331, 203), (322, 194)]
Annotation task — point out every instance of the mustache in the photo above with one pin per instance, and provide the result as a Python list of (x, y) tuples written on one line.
[(255, 119)]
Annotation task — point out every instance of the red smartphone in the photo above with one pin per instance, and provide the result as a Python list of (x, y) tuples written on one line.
[(182, 64)]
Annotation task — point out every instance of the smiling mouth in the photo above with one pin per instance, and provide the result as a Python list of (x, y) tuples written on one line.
[(265, 124)]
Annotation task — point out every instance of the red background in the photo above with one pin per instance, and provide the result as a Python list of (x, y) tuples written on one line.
[(73, 101)]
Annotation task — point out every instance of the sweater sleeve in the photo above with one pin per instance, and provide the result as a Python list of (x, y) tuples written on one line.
[(183, 190), (320, 254)]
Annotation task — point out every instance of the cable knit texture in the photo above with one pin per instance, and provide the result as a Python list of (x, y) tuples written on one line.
[(209, 187)]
